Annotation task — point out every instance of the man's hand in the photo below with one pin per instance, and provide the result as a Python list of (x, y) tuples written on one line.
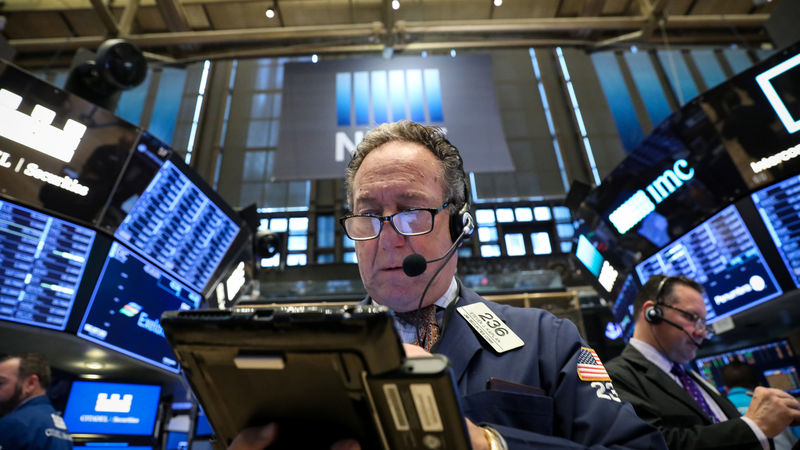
[(259, 438), (773, 410)]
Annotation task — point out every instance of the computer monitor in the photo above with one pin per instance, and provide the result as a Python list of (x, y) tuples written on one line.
[(112, 408), (179, 224), (775, 362), (42, 263), (126, 306), (622, 310), (59, 152), (721, 255), (110, 446), (777, 207)]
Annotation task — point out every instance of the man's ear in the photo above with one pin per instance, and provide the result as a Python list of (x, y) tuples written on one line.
[(30, 385)]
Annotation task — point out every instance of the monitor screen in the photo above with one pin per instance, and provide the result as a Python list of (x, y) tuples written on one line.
[(202, 428), (721, 255), (112, 408), (42, 260), (125, 308), (775, 358), (777, 207), (623, 306), (58, 152), (600, 270), (784, 378), (111, 446), (177, 225)]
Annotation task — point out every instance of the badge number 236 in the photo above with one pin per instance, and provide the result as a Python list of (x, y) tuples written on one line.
[(493, 323)]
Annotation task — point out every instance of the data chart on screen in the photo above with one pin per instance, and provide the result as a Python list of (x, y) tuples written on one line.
[(721, 255), (176, 225), (42, 259), (779, 208)]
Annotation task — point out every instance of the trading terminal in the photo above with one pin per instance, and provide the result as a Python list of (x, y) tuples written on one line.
[(613, 159)]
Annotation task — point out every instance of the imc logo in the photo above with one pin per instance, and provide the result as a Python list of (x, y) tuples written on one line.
[(781, 76), (379, 96)]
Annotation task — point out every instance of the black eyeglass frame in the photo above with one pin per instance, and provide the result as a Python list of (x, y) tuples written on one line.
[(382, 219)]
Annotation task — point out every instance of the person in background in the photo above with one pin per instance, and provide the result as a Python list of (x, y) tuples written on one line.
[(740, 380), (651, 374), (27, 419), (541, 386)]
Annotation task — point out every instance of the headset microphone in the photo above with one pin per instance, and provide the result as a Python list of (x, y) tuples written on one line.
[(655, 315)]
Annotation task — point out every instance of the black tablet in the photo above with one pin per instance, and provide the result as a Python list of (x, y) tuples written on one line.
[(323, 373)]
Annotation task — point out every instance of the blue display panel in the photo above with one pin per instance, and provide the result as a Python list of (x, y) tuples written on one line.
[(42, 260), (176, 225), (721, 255), (623, 307), (112, 408), (779, 208), (126, 306), (110, 446), (774, 362)]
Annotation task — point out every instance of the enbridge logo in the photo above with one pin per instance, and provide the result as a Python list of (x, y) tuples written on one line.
[(379, 96)]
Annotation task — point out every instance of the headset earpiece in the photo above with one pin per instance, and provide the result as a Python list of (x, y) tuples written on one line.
[(654, 314), (462, 220)]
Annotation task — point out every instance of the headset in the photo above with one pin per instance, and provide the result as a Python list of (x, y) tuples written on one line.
[(462, 222), (654, 314)]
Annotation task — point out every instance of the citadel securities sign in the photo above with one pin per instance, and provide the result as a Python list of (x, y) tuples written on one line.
[(328, 107)]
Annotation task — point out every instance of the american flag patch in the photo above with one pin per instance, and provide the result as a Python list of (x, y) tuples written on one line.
[(590, 368)]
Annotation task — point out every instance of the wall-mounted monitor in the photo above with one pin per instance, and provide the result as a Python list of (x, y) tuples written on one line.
[(622, 310), (599, 271), (721, 255), (775, 364), (42, 263), (176, 222), (112, 408), (125, 308), (777, 206), (58, 152)]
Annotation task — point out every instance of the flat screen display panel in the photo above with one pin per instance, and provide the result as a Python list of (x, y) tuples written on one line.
[(774, 362), (178, 226), (779, 208), (721, 255), (623, 306), (58, 152), (42, 261), (125, 308), (111, 446), (112, 408)]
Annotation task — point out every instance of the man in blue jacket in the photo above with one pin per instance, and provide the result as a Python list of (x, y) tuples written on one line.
[(27, 419), (526, 378)]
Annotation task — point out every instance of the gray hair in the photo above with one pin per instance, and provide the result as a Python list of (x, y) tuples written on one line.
[(432, 138)]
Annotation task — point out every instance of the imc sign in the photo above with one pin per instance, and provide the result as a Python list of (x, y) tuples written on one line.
[(328, 107)]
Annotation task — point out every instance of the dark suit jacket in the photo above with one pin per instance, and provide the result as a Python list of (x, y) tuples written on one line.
[(660, 401)]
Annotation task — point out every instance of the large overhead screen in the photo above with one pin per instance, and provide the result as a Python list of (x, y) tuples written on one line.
[(722, 255), (779, 209), (58, 152)]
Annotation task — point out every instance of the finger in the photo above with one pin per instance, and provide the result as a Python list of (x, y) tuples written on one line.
[(256, 438), (346, 444), (414, 350)]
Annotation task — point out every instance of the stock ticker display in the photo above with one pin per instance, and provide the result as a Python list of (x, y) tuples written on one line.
[(42, 260), (774, 362), (721, 255), (126, 305), (779, 208), (176, 225)]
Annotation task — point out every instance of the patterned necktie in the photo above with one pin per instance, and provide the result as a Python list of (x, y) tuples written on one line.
[(427, 326), (693, 390)]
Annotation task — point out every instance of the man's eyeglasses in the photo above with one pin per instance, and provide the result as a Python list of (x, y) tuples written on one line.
[(699, 322), (411, 222)]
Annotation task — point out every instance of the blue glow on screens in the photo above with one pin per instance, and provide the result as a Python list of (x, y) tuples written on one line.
[(589, 256), (721, 255), (767, 359), (176, 225), (110, 446), (42, 260), (112, 408), (126, 306), (777, 207)]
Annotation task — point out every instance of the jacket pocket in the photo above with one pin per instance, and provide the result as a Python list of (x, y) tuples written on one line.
[(529, 412)]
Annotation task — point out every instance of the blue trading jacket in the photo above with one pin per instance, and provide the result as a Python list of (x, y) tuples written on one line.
[(34, 425), (564, 412)]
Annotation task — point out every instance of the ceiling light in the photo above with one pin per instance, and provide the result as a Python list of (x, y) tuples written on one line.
[(498, 2), (94, 365), (91, 376), (453, 53), (424, 53), (395, 4), (314, 58), (270, 12)]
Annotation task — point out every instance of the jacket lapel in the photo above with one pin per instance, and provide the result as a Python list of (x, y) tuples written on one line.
[(659, 378)]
